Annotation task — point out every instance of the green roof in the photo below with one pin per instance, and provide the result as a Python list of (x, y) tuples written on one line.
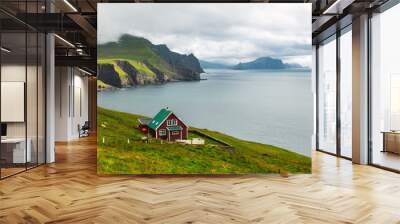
[(159, 118), (174, 128)]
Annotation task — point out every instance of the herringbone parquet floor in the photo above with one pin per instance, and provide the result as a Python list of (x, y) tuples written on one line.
[(69, 191)]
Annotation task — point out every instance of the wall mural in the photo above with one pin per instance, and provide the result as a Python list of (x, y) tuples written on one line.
[(204, 88)]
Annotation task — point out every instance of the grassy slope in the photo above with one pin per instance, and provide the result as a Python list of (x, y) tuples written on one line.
[(142, 68), (101, 84), (117, 156), (122, 75), (136, 49)]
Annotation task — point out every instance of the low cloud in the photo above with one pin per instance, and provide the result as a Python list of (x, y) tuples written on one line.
[(228, 33)]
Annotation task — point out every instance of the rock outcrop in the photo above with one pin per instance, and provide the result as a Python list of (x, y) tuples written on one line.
[(108, 75), (151, 64)]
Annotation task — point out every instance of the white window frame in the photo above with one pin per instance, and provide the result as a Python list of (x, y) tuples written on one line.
[(175, 132), (162, 132), (172, 122)]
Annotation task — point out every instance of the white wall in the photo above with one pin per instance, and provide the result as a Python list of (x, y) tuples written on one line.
[(33, 126), (17, 73), (13, 100), (71, 102), (62, 81), (80, 110), (10, 73)]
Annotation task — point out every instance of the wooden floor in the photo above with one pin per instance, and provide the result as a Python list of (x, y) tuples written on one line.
[(69, 191), (5, 172), (387, 159)]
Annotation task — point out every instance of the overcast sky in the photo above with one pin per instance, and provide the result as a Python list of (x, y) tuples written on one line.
[(228, 33)]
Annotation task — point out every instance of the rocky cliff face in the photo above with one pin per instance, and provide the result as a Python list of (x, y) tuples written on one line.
[(159, 75), (131, 77), (135, 76), (139, 62), (187, 67), (107, 74)]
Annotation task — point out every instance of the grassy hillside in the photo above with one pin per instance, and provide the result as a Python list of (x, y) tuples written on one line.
[(142, 68), (102, 85), (128, 48), (121, 151), (121, 73), (135, 49)]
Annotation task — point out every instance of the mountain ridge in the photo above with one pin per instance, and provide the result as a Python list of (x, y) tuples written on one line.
[(259, 63), (266, 63), (133, 60)]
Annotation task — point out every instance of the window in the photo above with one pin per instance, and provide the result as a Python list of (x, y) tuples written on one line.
[(385, 89), (162, 132), (172, 122), (327, 96), (395, 102), (22, 66), (175, 133), (346, 94)]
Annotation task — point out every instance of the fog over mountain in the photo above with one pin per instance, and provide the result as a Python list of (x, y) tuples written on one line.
[(223, 33)]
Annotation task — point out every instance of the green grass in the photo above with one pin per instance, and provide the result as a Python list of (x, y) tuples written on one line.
[(142, 68), (101, 84), (105, 61), (136, 49), (117, 155), (129, 48), (207, 140), (122, 75)]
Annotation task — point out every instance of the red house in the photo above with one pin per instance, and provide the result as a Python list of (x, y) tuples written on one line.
[(165, 125)]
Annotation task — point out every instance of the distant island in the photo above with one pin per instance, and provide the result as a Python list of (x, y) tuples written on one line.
[(259, 63), (135, 61), (265, 63)]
